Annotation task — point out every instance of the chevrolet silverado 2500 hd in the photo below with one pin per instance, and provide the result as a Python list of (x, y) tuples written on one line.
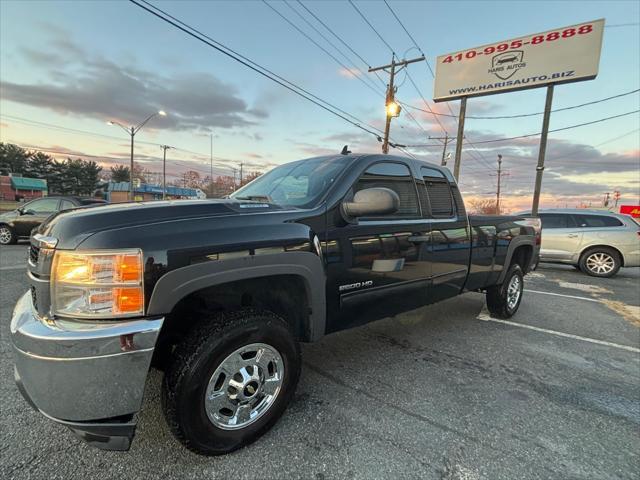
[(218, 293)]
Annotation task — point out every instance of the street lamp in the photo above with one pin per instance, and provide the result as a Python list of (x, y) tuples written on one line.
[(393, 109), (132, 132)]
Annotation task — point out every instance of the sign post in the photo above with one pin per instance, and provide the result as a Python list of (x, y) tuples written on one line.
[(542, 151), (562, 55), (463, 112)]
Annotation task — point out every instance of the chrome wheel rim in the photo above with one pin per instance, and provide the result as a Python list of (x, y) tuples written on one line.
[(244, 386), (600, 262), (514, 290), (5, 235)]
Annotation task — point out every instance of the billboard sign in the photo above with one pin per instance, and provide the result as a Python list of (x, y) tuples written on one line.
[(633, 210), (567, 54)]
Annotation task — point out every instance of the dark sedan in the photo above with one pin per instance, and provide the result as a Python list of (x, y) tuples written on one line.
[(18, 223)]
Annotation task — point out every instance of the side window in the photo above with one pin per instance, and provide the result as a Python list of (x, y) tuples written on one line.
[(397, 177), (597, 221), (555, 220), (46, 205), (66, 205), (438, 192)]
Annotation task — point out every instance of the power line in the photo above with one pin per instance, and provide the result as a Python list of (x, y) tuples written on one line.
[(393, 55), (251, 64), (340, 39), (372, 27), (539, 133), (430, 110), (51, 126), (522, 115), (308, 37)]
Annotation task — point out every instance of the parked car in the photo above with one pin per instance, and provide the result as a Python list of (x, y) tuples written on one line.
[(18, 223), (597, 242), (218, 293)]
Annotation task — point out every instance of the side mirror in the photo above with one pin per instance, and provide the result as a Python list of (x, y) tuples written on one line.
[(371, 202), (28, 212)]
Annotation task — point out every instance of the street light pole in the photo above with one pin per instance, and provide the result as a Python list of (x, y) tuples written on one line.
[(164, 169), (132, 132)]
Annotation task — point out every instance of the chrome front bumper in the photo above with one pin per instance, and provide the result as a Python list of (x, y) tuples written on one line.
[(89, 376)]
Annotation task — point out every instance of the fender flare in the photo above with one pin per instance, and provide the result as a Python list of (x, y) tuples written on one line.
[(177, 284), (523, 240)]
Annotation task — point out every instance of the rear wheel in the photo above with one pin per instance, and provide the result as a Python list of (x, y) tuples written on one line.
[(600, 262), (7, 235), (504, 300), (230, 380)]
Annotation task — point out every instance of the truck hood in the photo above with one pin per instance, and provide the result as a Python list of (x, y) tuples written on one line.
[(74, 226)]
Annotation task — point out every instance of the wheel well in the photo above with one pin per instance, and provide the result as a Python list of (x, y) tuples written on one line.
[(284, 295), (522, 256), (608, 247)]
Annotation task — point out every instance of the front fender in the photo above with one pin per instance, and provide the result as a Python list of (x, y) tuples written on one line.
[(177, 284)]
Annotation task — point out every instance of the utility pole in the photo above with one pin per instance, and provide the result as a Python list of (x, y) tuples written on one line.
[(164, 170), (616, 197), (543, 150), (444, 149), (499, 177), (392, 108), (241, 173)]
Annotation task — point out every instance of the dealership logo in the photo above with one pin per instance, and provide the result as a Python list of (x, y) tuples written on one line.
[(505, 64)]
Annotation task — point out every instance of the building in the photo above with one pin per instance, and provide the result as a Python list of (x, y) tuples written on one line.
[(116, 192), (21, 188)]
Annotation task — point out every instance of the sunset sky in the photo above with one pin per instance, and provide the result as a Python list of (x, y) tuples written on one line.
[(68, 67)]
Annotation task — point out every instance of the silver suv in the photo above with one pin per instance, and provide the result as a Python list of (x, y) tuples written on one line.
[(597, 242)]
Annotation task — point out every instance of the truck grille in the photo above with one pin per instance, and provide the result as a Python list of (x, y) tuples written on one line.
[(34, 297), (34, 252)]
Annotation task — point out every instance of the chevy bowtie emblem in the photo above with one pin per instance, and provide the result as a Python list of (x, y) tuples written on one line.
[(505, 64)]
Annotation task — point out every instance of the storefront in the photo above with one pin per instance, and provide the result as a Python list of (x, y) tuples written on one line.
[(116, 192), (21, 188)]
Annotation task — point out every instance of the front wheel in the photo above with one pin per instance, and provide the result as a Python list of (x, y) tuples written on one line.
[(7, 235), (504, 300), (230, 380), (600, 262)]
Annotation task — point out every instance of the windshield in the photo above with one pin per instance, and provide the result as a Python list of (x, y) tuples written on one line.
[(299, 184)]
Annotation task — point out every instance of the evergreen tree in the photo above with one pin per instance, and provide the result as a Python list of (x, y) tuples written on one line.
[(13, 159), (120, 173)]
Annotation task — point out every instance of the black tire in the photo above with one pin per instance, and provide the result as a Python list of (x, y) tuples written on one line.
[(498, 298), (196, 359), (7, 235), (600, 262)]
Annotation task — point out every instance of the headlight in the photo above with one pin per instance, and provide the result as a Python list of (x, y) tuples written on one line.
[(100, 284)]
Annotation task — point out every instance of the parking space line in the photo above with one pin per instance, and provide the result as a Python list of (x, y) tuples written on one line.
[(13, 267), (563, 295), (485, 317)]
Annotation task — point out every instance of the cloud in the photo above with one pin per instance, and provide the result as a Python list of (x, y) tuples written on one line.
[(94, 87), (348, 72)]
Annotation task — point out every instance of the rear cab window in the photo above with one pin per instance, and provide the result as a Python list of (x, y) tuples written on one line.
[(439, 193)]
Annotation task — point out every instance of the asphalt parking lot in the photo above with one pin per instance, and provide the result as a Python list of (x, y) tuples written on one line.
[(445, 393)]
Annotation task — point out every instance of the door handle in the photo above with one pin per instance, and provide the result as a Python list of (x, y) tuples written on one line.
[(573, 235), (419, 238)]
